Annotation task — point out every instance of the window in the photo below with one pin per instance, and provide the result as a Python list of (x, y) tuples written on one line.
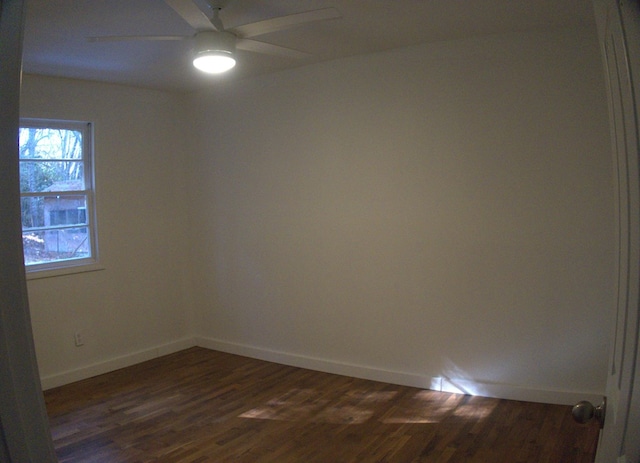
[(56, 193)]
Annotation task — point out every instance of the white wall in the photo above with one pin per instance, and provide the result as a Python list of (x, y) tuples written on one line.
[(443, 210), (139, 305)]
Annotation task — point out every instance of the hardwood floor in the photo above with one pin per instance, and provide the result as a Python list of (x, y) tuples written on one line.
[(204, 406)]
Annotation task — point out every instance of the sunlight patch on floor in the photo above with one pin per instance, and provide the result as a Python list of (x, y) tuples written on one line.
[(356, 407), (476, 410), (309, 405), (409, 420), (296, 404), (344, 415), (424, 407)]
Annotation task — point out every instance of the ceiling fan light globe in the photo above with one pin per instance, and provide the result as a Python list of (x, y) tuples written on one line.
[(214, 62)]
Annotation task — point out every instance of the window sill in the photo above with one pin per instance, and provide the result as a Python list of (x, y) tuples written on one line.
[(56, 272)]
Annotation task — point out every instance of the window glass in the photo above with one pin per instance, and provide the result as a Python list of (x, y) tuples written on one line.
[(56, 187)]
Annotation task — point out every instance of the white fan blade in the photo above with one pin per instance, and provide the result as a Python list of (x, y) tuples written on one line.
[(191, 14), (269, 49), (284, 22), (120, 38)]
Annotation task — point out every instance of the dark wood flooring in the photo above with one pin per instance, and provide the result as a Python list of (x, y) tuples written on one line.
[(204, 406)]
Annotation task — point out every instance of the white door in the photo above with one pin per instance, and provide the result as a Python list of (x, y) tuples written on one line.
[(619, 27)]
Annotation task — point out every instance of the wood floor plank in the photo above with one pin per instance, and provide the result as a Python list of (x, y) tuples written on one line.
[(200, 405)]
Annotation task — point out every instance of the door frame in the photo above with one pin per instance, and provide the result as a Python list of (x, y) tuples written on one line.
[(631, 19), (620, 440), (24, 425)]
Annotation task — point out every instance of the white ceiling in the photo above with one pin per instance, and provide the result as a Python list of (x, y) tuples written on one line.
[(56, 30)]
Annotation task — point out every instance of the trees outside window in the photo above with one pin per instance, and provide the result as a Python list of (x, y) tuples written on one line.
[(57, 196)]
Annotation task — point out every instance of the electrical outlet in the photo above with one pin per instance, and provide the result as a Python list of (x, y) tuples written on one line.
[(78, 338)]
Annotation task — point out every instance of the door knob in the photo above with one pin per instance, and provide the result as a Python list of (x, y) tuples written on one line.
[(584, 411)]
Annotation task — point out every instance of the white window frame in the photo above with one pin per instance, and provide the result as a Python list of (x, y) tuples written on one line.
[(73, 265)]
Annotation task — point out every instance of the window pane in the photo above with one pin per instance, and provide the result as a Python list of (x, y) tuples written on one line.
[(54, 245), (50, 143), (54, 211), (32, 212), (43, 176), (56, 190)]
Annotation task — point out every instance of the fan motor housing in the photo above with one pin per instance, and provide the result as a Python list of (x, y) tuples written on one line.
[(213, 41)]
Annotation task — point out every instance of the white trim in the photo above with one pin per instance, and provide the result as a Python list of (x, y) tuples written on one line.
[(116, 363), (68, 270), (435, 382), (521, 393), (90, 263)]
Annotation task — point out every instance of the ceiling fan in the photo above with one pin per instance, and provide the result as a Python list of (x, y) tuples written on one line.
[(215, 45)]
